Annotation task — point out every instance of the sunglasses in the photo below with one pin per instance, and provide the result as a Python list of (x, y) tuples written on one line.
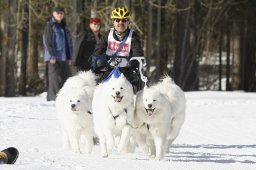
[(60, 13), (122, 20)]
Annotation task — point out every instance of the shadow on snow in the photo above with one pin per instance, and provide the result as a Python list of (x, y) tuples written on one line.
[(211, 153)]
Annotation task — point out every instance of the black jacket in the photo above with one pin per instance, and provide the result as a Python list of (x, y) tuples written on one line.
[(136, 50), (86, 49)]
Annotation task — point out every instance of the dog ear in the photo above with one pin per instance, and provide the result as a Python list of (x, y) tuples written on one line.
[(84, 90), (122, 75)]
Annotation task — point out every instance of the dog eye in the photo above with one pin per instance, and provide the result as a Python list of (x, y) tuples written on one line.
[(121, 88), (78, 100), (113, 88), (146, 100), (70, 100), (154, 100)]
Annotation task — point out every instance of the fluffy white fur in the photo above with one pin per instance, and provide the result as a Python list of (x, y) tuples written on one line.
[(159, 115), (112, 107), (177, 99), (73, 104)]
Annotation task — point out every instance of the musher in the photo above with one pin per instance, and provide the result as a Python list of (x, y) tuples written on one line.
[(116, 48)]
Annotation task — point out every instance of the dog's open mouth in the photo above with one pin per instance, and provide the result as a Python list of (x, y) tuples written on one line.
[(73, 109), (117, 98), (150, 111)]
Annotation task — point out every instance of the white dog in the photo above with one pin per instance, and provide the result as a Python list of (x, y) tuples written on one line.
[(73, 104), (159, 114), (112, 107), (85, 80), (177, 99)]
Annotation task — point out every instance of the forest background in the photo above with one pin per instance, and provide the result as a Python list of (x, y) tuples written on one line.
[(201, 44)]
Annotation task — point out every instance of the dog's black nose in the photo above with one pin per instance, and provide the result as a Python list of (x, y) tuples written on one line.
[(149, 105), (117, 93), (73, 105)]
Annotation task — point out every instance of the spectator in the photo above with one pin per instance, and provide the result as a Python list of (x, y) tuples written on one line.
[(58, 52), (91, 37)]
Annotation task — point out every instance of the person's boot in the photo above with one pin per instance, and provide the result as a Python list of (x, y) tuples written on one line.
[(9, 155)]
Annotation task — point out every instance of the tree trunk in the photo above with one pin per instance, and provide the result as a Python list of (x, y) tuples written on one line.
[(161, 52), (228, 32), (149, 37), (3, 47), (159, 44), (75, 27), (248, 50), (23, 46), (185, 64), (220, 56), (243, 37), (10, 57), (236, 63), (32, 64)]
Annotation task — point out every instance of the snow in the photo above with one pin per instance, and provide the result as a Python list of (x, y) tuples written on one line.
[(218, 133)]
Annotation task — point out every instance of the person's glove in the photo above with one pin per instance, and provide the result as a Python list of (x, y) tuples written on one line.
[(99, 63), (134, 64)]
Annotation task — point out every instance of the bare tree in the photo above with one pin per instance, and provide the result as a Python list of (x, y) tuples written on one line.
[(185, 64), (2, 57), (248, 48), (23, 44), (75, 25), (33, 34), (8, 34), (176, 35)]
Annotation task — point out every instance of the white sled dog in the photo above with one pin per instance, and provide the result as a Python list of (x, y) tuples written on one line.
[(73, 104), (159, 114), (112, 106)]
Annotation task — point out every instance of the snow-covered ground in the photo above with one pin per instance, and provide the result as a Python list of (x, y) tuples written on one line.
[(219, 133)]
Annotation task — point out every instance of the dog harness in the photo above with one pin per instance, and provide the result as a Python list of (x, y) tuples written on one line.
[(116, 116), (141, 126)]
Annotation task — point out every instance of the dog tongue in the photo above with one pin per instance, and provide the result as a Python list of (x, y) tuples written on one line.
[(118, 99), (73, 109), (150, 112)]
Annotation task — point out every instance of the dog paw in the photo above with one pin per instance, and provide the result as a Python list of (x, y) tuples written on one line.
[(120, 148), (104, 155), (88, 151), (152, 156), (75, 150), (66, 147), (78, 152), (158, 158)]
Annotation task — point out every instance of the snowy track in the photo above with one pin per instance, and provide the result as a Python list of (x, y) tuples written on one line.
[(219, 133)]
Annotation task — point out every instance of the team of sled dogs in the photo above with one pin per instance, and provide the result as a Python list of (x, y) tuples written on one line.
[(149, 120)]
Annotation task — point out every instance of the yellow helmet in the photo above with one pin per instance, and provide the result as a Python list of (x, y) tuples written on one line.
[(120, 13)]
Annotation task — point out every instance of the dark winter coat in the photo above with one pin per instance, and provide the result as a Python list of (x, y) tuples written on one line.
[(57, 41), (86, 49), (136, 50)]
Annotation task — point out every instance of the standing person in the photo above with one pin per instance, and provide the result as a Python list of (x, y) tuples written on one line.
[(58, 50), (91, 37), (116, 48)]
